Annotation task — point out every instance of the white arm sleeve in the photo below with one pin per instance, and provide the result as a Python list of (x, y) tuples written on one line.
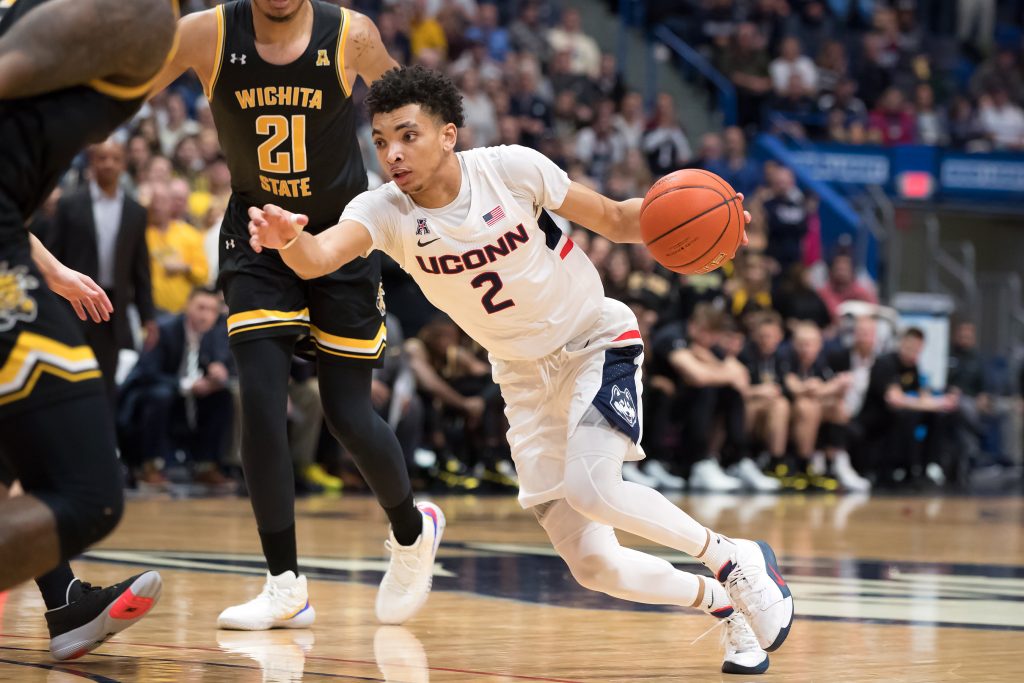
[(374, 212), (528, 173)]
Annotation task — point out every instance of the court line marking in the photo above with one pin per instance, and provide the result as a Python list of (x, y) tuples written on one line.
[(472, 672), (56, 667)]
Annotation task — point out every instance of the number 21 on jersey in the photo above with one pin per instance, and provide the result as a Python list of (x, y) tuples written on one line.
[(272, 159)]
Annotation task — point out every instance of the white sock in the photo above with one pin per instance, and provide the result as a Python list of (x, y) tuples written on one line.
[(718, 552), (713, 598)]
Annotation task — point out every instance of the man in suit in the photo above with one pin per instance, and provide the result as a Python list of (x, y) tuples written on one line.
[(100, 231), (177, 395)]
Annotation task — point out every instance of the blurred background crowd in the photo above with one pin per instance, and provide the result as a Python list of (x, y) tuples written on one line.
[(780, 371)]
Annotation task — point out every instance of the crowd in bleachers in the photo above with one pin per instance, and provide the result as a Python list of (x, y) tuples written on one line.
[(760, 375), (868, 71)]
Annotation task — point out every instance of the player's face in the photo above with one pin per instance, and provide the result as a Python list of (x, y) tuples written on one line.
[(411, 146), (279, 10)]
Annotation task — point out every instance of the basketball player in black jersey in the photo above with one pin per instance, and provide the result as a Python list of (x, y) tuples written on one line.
[(71, 71), (279, 76)]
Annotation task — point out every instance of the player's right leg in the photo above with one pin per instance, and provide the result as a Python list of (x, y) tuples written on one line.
[(598, 562), (267, 313)]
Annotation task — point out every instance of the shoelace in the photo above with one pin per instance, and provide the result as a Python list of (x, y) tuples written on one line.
[(743, 588), (738, 635), (407, 561)]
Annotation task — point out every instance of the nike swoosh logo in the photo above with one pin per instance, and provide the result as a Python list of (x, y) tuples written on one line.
[(775, 576), (421, 243)]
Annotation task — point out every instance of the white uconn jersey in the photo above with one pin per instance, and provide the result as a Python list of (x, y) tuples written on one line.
[(517, 286)]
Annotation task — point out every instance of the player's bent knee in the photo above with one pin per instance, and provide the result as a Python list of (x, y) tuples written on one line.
[(584, 496), (87, 517), (595, 572)]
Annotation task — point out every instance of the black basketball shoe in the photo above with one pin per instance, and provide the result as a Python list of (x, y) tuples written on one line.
[(94, 614)]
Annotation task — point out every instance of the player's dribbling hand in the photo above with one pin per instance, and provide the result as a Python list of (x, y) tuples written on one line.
[(272, 227), (746, 216)]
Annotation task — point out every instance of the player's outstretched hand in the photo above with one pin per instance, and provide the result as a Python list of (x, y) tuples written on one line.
[(273, 228), (746, 215), (86, 297)]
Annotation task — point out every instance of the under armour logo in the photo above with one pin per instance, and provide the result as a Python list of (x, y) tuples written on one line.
[(238, 58), (229, 244)]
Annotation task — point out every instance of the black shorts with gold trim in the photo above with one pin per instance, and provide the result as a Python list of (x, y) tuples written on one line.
[(338, 317), (43, 355)]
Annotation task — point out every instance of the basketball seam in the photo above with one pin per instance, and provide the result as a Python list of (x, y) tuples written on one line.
[(693, 218), (650, 200), (717, 239)]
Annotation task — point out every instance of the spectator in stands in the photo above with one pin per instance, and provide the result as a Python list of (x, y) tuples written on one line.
[(177, 258), (768, 409), (857, 360), (477, 57), (873, 77), (665, 143), (753, 290), (786, 214), (478, 108), (817, 395), (533, 110), (891, 123), (177, 395), (745, 63), (509, 132), (845, 101), (706, 389), (393, 37), (814, 26), (1001, 120), (616, 274), (600, 146), (796, 300), (175, 124), (773, 19), (140, 151), (1002, 70), (793, 70), (564, 115), (630, 121), (585, 56), (739, 170), (965, 130), (975, 20), (489, 32), (855, 14), (833, 65), (931, 123), (527, 34), (842, 285), (901, 419), (563, 78), (710, 153), (178, 192), (425, 33), (186, 160), (609, 82), (100, 231), (158, 172)]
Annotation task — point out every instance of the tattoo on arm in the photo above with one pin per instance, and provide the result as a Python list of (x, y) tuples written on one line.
[(70, 42)]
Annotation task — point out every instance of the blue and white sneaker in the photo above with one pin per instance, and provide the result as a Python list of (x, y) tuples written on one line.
[(743, 654), (406, 584), (283, 603), (757, 589)]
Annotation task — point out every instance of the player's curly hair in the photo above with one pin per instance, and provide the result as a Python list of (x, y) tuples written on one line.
[(432, 90)]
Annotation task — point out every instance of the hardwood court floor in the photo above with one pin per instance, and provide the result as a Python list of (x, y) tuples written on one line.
[(887, 589)]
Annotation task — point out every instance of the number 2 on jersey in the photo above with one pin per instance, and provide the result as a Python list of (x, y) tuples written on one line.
[(279, 130), (495, 283)]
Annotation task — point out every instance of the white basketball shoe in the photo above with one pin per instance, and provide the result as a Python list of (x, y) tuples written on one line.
[(283, 603), (753, 581), (406, 584), (743, 654)]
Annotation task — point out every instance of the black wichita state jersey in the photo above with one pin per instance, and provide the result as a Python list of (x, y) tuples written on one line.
[(288, 131), (41, 135)]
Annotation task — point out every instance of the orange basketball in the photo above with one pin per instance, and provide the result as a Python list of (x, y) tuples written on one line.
[(692, 221)]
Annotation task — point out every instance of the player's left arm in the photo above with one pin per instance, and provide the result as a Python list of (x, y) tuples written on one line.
[(617, 221), (86, 297), (365, 54), (310, 256)]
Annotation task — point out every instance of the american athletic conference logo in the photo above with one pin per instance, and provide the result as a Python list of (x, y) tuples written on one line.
[(622, 403), (15, 303)]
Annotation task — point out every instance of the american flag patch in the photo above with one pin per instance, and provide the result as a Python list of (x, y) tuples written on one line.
[(494, 215)]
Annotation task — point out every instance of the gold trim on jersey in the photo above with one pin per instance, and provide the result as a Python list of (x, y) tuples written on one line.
[(261, 319), (135, 92), (219, 57), (339, 61), (34, 354), (350, 347)]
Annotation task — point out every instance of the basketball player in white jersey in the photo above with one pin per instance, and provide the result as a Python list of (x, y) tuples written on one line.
[(470, 228)]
